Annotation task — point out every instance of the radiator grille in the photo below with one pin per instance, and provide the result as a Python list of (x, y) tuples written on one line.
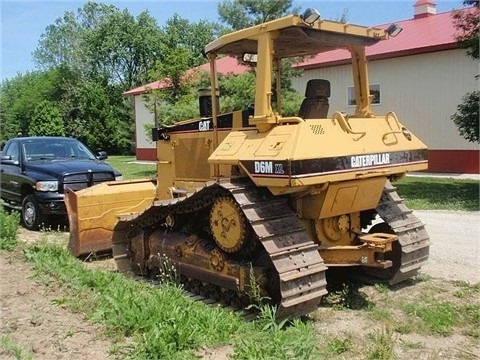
[(81, 181)]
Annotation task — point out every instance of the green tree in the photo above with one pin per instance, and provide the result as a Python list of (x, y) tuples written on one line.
[(181, 50), (237, 92), (125, 56), (240, 14), (193, 36), (168, 110), (181, 53), (20, 96), (467, 117), (103, 118), (96, 70), (64, 42), (466, 22), (47, 120)]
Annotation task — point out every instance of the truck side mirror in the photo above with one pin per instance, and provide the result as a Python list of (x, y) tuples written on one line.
[(102, 155), (7, 160)]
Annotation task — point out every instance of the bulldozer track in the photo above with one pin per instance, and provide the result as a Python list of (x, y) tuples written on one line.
[(412, 236), (299, 272), (295, 257)]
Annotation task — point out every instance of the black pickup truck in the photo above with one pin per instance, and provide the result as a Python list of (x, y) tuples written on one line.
[(35, 171)]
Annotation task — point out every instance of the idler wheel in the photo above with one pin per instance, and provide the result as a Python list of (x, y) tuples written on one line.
[(228, 225), (217, 260)]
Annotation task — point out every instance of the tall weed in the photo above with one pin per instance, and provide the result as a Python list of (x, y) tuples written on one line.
[(9, 224), (383, 345)]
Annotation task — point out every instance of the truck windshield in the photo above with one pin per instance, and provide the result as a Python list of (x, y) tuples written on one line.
[(43, 149)]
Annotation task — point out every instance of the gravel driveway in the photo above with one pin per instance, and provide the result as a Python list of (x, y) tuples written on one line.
[(455, 249)]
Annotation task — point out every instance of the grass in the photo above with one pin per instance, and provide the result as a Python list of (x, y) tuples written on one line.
[(402, 320), (442, 310), (8, 346), (429, 193), (147, 322), (161, 321), (131, 169), (438, 317), (337, 346)]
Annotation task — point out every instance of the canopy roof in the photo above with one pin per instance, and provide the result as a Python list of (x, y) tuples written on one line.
[(294, 37)]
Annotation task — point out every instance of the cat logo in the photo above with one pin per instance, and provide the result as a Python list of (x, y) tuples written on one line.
[(204, 125)]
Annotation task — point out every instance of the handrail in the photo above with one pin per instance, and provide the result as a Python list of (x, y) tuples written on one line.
[(291, 119), (393, 132), (345, 126), (392, 114)]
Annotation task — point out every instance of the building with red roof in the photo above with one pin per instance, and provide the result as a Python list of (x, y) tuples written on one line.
[(225, 66), (421, 75)]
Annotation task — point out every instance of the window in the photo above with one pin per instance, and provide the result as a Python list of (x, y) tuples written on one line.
[(374, 92), (14, 152)]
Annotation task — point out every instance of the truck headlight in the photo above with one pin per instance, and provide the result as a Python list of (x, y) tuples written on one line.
[(47, 186)]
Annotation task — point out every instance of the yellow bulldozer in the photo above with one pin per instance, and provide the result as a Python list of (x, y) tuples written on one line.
[(253, 202)]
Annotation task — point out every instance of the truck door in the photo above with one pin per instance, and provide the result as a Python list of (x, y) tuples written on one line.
[(10, 172)]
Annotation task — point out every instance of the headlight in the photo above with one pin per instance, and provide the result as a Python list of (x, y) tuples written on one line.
[(407, 134), (47, 186), (118, 177)]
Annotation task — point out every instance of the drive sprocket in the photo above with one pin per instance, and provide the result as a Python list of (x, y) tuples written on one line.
[(228, 225)]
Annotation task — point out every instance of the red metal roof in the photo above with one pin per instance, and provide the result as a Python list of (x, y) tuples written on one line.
[(421, 35), (225, 66)]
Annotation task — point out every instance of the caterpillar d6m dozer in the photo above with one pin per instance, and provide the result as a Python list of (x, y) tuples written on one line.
[(256, 202)]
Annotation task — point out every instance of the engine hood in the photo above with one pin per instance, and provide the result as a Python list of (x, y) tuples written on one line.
[(61, 167), (314, 152)]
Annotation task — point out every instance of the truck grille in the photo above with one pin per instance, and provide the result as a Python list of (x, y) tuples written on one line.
[(81, 181)]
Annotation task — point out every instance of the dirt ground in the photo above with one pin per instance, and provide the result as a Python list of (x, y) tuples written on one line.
[(34, 326)]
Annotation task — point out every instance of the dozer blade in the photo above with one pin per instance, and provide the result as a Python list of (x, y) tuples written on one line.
[(93, 212)]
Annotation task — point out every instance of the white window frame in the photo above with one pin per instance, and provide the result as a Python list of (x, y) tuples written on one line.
[(373, 87)]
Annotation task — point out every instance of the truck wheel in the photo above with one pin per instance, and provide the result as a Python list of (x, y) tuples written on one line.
[(32, 216)]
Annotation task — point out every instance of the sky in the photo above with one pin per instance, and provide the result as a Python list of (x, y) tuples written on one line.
[(24, 21)]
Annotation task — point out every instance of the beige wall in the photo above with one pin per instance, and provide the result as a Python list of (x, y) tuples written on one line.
[(143, 116), (423, 90)]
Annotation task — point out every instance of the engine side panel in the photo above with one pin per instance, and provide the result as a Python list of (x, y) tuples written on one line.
[(318, 151)]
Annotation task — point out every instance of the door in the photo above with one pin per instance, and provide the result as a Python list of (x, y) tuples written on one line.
[(11, 172)]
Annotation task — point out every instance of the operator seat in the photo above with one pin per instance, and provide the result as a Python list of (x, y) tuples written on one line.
[(315, 104)]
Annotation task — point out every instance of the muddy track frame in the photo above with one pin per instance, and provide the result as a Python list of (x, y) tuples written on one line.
[(289, 268)]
